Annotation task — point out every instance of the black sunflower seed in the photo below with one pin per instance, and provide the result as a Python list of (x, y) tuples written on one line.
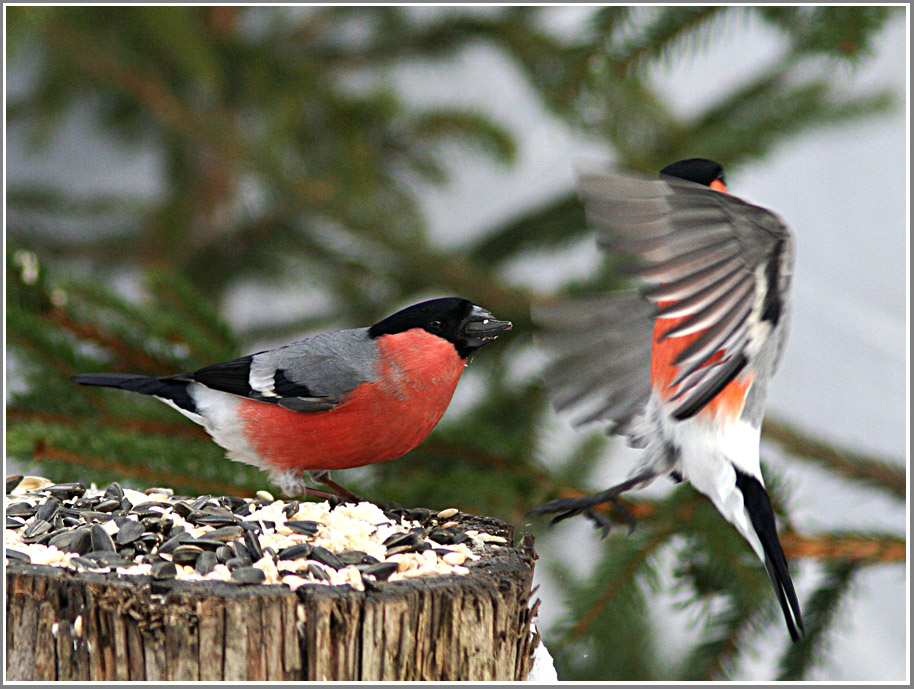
[(153, 524), (318, 572), (291, 508), (186, 554), (114, 492), (100, 539), (20, 509), (205, 563), (200, 502), (248, 575), (208, 519), (308, 528), (14, 523), (129, 532), (236, 562), (172, 543), (11, 483), (252, 543), (15, 554), (203, 543), (151, 538), (182, 509), (448, 536), (48, 510), (108, 505), (37, 528), (128, 552), (76, 541), (242, 510), (397, 549), (106, 558), (325, 557), (149, 509), (224, 554), (71, 521), (302, 550), (403, 538), (419, 514), (225, 533), (164, 570), (240, 551), (380, 571), (356, 557), (93, 516), (66, 491), (40, 538), (231, 502), (170, 529)]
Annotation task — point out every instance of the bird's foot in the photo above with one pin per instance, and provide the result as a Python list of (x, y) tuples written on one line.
[(341, 493), (293, 484), (565, 508)]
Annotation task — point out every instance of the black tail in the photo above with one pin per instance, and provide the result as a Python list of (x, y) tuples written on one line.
[(759, 508), (174, 389)]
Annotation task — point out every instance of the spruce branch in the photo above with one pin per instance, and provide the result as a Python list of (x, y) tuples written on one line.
[(820, 612), (873, 471), (657, 539), (141, 472)]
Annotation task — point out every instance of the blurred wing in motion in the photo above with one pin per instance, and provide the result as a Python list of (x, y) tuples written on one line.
[(601, 351), (710, 268)]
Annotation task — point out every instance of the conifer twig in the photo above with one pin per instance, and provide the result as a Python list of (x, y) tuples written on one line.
[(42, 450), (867, 548), (874, 471)]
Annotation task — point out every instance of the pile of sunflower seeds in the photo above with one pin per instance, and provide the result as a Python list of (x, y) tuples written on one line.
[(243, 540)]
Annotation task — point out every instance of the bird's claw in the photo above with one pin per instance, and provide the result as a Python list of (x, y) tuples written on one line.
[(565, 508)]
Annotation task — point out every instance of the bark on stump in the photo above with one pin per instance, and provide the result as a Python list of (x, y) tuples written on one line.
[(64, 625)]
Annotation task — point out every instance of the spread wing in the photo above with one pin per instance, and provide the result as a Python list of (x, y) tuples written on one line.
[(307, 376), (600, 356), (711, 267)]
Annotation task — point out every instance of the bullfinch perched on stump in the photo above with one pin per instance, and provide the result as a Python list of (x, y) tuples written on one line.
[(335, 400), (681, 365)]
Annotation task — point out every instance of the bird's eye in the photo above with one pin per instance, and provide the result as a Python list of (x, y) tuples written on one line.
[(434, 326)]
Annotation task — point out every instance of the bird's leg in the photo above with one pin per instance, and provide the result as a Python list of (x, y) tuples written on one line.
[(292, 482), (565, 508), (345, 495)]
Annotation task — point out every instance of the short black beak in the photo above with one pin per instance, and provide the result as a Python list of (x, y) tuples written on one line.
[(483, 327)]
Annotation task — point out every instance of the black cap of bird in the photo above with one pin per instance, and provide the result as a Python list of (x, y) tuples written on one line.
[(681, 365)]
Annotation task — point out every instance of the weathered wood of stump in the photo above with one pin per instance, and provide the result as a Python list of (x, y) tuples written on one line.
[(64, 625)]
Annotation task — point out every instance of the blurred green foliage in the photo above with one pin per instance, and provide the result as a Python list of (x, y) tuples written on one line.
[(289, 157)]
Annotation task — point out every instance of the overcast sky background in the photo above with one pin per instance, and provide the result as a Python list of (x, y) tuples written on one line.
[(844, 375)]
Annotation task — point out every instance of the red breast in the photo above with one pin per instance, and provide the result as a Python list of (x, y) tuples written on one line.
[(728, 403), (380, 420)]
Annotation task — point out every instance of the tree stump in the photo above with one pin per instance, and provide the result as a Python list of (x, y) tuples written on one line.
[(63, 624)]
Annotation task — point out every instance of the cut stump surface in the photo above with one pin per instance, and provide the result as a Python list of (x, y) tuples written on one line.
[(64, 624)]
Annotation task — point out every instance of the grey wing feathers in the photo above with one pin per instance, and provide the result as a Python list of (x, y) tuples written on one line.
[(600, 351), (703, 257), (310, 375)]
